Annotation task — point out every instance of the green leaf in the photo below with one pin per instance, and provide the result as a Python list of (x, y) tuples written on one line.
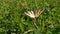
[(22, 27)]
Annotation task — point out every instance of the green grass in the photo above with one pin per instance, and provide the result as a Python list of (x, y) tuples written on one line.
[(13, 20)]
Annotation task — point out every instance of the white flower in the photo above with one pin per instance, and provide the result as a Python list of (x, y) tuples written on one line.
[(31, 14), (34, 15)]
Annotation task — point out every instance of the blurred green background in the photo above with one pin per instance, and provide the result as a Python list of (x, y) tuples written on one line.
[(13, 20)]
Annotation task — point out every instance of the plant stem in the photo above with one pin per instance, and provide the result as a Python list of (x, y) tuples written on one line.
[(28, 31), (35, 23)]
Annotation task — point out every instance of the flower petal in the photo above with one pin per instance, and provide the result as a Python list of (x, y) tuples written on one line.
[(29, 12), (26, 13)]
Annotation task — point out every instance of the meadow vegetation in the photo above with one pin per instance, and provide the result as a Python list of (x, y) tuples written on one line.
[(14, 21)]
